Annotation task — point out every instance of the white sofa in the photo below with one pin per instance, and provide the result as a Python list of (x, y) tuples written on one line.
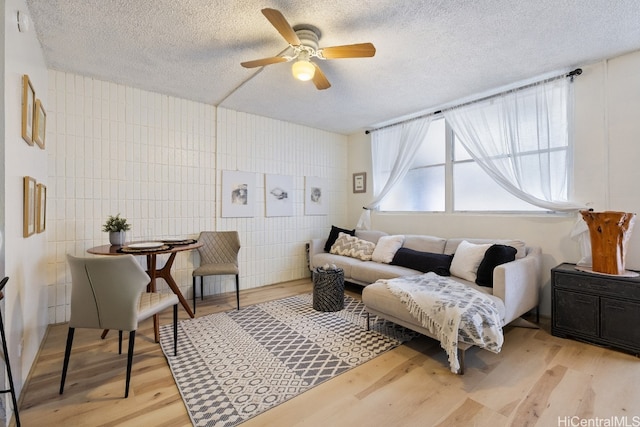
[(516, 283)]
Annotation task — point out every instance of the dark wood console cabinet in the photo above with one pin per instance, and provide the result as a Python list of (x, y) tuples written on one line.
[(597, 308)]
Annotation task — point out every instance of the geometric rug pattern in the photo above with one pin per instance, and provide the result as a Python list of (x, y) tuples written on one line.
[(232, 366)]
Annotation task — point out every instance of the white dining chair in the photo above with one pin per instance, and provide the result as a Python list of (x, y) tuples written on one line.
[(109, 293)]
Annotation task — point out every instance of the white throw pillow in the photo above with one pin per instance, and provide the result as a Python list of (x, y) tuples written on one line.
[(466, 260), (386, 248)]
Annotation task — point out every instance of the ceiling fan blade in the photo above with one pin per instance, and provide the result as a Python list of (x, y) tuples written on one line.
[(280, 23), (262, 62), (360, 50), (319, 79)]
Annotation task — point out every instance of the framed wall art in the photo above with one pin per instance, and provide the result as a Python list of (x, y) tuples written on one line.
[(28, 100), (238, 194), (315, 196), (39, 124), (278, 195), (360, 182), (41, 209), (29, 207)]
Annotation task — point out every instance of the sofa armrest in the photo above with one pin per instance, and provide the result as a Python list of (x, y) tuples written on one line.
[(517, 283), (316, 246)]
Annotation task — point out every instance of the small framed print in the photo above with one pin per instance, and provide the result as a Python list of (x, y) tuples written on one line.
[(41, 211), (238, 194), (29, 207), (360, 182), (316, 201), (39, 124), (28, 99), (278, 195)]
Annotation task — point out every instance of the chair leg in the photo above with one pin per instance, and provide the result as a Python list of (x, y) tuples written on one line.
[(194, 294), (67, 353), (12, 388), (175, 329), (132, 339), (119, 342), (238, 290), (201, 288)]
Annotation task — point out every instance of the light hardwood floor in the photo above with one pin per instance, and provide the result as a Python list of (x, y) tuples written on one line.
[(537, 379)]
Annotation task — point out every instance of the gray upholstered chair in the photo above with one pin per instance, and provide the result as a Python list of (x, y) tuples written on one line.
[(109, 293), (218, 256)]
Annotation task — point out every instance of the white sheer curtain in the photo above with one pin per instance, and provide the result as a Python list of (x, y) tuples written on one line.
[(521, 140), (392, 151)]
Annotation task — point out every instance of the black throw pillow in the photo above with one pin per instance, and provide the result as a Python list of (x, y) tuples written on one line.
[(423, 261), (333, 236), (493, 257)]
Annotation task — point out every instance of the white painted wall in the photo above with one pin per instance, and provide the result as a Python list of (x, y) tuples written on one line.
[(158, 161), (607, 148), (359, 161), (25, 299)]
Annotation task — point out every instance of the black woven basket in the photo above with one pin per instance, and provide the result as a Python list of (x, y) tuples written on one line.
[(328, 289)]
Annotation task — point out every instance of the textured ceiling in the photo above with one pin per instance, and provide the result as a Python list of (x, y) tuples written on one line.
[(429, 53)]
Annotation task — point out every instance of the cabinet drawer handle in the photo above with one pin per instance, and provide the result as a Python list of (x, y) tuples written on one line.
[(616, 307), (583, 301)]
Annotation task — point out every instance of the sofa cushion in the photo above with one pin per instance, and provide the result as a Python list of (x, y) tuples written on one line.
[(353, 247), (423, 261), (343, 262), (333, 235), (494, 256), (386, 248), (424, 243), (452, 245), (369, 271), (370, 235), (378, 297), (467, 259)]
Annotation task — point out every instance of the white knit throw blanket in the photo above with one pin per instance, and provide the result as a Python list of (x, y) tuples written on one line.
[(452, 312)]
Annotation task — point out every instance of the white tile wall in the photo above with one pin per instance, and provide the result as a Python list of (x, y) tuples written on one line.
[(153, 158), (274, 247)]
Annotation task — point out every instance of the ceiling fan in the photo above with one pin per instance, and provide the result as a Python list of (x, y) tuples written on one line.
[(303, 39)]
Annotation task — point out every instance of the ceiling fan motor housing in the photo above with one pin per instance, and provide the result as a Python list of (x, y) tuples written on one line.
[(308, 35)]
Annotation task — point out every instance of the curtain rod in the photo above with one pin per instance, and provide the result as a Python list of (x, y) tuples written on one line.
[(571, 75)]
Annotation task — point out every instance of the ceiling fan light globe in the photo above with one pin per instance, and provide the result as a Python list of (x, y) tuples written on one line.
[(303, 70)]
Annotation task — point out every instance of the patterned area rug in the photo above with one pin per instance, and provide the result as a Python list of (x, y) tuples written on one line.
[(232, 366)]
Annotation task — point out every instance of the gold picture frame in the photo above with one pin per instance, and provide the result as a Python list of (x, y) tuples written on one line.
[(41, 211), (28, 106), (39, 124), (29, 207), (360, 182)]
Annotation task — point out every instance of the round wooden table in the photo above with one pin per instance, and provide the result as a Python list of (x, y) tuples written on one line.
[(152, 269)]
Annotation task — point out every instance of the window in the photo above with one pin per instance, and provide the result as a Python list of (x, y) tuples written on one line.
[(474, 190), (423, 188), (443, 175)]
